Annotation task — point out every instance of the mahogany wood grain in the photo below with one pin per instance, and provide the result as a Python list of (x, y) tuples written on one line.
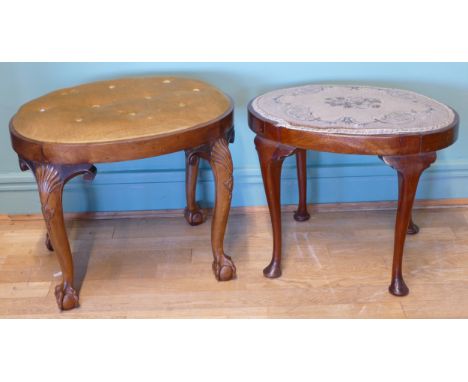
[(50, 180), (301, 214), (117, 151), (409, 154), (271, 156), (409, 169), (193, 213), (218, 155), (400, 144), (48, 243), (54, 164)]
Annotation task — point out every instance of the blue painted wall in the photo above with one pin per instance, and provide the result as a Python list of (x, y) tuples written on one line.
[(158, 183)]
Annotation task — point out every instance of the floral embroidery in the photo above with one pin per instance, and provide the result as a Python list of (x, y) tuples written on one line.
[(302, 113), (344, 109), (353, 102), (347, 120), (397, 118)]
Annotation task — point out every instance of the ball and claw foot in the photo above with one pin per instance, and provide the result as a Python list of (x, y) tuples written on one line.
[(225, 269), (301, 216), (272, 271), (48, 243), (194, 217), (66, 296), (398, 287), (413, 229)]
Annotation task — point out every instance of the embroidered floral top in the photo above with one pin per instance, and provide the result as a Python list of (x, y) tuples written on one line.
[(364, 110)]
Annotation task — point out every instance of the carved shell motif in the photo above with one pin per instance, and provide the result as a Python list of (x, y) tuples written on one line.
[(221, 156), (48, 178)]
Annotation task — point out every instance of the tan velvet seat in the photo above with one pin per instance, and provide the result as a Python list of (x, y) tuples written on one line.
[(63, 134), (123, 109)]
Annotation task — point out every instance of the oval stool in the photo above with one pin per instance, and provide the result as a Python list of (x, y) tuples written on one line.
[(403, 128), (62, 134)]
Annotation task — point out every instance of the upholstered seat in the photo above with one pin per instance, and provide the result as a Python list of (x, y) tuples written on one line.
[(123, 109), (356, 110), (403, 128), (63, 134)]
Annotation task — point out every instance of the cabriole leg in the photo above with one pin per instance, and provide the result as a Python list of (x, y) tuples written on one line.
[(301, 158), (220, 160), (271, 155), (413, 229), (48, 243), (51, 179), (409, 169), (193, 213)]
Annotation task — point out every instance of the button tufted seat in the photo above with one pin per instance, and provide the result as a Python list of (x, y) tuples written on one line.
[(62, 134), (355, 110), (128, 108)]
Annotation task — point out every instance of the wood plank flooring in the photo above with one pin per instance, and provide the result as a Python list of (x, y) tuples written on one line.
[(336, 265)]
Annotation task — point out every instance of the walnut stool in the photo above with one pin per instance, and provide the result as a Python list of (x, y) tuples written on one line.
[(62, 134), (403, 128)]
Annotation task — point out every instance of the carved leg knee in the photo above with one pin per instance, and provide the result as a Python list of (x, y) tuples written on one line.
[(219, 156), (51, 179)]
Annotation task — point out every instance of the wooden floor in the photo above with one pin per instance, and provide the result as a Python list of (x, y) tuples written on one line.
[(335, 265)]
